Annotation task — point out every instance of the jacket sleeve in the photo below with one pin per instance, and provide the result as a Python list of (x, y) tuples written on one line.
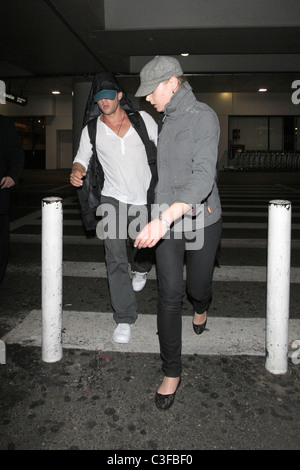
[(206, 132), (15, 153)]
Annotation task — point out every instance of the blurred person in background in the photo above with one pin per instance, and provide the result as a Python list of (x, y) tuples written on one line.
[(11, 165)]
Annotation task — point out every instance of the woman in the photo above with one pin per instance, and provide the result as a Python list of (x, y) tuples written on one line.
[(186, 192)]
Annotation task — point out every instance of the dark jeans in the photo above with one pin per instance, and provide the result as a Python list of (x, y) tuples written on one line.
[(4, 244), (122, 296), (170, 257)]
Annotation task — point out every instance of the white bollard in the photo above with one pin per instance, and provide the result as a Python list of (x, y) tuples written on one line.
[(278, 286), (52, 242)]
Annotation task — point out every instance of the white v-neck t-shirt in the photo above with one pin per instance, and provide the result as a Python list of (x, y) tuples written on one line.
[(124, 160)]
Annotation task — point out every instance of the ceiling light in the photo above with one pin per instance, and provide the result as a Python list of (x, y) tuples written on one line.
[(55, 92), (185, 54), (262, 89)]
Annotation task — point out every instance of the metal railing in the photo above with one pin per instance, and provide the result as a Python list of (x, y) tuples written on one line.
[(276, 160)]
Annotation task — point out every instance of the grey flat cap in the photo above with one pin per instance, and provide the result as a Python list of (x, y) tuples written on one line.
[(159, 69)]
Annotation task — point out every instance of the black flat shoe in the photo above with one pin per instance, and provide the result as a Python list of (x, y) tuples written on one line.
[(198, 329), (164, 402)]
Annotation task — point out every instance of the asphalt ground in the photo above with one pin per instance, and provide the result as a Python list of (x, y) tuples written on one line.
[(104, 399)]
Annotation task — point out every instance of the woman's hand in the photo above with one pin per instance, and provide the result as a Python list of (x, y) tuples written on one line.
[(151, 234), (156, 229)]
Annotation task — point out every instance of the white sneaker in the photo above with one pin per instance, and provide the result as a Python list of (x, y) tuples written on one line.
[(122, 333), (138, 281)]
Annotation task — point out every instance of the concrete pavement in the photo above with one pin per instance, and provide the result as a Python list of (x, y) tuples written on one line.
[(100, 396)]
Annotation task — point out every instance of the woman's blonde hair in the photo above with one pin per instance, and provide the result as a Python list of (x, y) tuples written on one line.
[(181, 80)]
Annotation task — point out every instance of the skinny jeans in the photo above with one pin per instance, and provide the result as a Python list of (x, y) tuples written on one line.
[(122, 296), (170, 257)]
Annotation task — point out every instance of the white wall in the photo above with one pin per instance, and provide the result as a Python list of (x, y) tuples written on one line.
[(61, 121), (229, 104), (199, 13), (36, 106), (59, 115), (255, 104)]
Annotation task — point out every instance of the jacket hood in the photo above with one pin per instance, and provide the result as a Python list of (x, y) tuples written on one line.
[(103, 81)]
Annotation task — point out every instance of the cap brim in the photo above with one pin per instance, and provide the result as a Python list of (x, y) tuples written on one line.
[(108, 94), (145, 90)]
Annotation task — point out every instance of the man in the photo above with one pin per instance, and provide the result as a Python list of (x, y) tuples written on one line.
[(11, 166), (126, 180)]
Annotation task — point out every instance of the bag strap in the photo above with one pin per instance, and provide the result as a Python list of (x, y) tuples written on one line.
[(94, 163), (138, 123), (92, 125)]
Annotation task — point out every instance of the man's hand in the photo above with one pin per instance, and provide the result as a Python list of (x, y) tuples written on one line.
[(78, 172), (7, 182)]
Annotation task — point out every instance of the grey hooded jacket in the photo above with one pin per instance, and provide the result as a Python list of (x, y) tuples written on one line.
[(188, 155)]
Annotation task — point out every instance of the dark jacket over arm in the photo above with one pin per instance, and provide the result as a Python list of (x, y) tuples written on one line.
[(11, 157)]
